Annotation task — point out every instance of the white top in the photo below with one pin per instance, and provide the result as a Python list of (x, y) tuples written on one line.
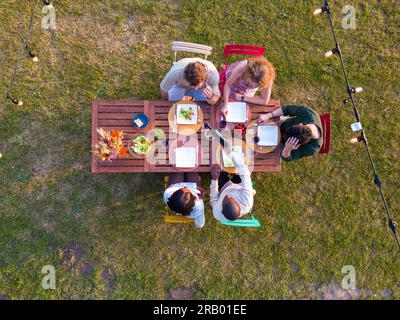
[(175, 76), (243, 193), (198, 210)]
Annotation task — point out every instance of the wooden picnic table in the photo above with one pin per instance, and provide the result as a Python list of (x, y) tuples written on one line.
[(118, 114)]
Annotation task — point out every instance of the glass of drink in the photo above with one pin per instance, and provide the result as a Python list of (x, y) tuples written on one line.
[(208, 134)]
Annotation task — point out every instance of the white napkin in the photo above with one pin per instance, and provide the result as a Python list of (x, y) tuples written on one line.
[(185, 157), (237, 112), (268, 135)]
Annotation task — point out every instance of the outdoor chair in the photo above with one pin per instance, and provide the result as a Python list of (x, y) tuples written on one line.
[(326, 129), (250, 223), (190, 47), (231, 49), (174, 218)]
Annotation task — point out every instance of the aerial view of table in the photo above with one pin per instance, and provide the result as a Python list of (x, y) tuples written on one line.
[(118, 114)]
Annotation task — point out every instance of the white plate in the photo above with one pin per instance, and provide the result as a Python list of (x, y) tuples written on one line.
[(268, 135), (182, 120), (227, 161), (185, 157), (237, 112)]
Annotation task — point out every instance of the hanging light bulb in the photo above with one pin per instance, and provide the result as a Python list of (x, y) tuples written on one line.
[(317, 11), (354, 140), (356, 90), (357, 139), (332, 52), (33, 56), (16, 101), (320, 10)]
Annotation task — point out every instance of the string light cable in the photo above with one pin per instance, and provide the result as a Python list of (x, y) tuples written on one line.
[(25, 49), (357, 126)]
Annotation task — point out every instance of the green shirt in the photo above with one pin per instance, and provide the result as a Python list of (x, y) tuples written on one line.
[(304, 115)]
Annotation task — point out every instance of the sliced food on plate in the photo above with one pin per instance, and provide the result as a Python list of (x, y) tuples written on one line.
[(186, 113)]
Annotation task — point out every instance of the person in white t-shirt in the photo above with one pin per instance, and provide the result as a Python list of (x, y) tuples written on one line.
[(184, 195), (194, 77), (231, 198)]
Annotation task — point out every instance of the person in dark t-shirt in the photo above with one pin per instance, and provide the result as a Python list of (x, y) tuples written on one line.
[(301, 132)]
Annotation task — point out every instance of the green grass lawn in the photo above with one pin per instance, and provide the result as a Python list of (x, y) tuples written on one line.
[(104, 233)]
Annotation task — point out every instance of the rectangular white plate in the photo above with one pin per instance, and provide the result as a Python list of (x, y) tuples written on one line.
[(268, 135), (185, 157), (237, 112), (227, 161), (182, 120)]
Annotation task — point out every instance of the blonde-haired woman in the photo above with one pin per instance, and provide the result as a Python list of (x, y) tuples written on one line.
[(244, 78)]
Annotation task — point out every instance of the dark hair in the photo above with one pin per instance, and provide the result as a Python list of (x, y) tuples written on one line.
[(299, 131), (181, 202), (195, 73), (231, 210)]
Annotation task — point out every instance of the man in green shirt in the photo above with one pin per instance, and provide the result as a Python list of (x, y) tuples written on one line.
[(301, 133)]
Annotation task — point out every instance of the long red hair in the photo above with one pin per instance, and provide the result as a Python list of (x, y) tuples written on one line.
[(261, 71)]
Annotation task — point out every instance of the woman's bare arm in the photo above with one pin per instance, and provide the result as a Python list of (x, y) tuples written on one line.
[(236, 74), (261, 100)]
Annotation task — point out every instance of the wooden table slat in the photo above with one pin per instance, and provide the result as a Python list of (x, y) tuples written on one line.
[(94, 136), (120, 109), (116, 116), (123, 163)]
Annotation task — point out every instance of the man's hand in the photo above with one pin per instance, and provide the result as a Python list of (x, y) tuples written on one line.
[(207, 91), (164, 95), (202, 192), (292, 144), (215, 170), (264, 117)]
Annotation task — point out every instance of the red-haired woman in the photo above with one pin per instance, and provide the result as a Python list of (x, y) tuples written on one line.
[(244, 78)]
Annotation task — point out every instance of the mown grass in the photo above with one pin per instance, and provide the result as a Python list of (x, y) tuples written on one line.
[(318, 215)]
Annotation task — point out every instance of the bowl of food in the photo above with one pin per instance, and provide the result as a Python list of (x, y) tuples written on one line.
[(140, 146), (140, 121)]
